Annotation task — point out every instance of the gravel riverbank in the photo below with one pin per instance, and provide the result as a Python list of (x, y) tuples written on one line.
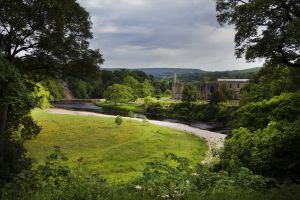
[(215, 140)]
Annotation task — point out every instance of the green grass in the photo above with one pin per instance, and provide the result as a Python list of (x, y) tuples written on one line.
[(117, 153), (137, 108)]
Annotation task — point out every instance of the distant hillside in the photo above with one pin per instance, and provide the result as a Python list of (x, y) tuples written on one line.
[(169, 72), (193, 74)]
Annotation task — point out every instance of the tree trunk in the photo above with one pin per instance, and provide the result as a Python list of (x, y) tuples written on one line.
[(3, 121)]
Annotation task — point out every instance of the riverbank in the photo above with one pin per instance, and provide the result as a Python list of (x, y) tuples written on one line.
[(215, 140)]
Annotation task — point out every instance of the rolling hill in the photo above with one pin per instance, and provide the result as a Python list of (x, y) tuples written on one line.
[(193, 74)]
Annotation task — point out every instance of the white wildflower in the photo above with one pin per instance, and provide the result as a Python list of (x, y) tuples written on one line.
[(138, 187)]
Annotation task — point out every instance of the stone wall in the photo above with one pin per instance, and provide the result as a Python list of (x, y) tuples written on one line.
[(206, 89)]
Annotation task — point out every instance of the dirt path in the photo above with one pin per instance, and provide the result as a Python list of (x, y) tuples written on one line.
[(215, 140)]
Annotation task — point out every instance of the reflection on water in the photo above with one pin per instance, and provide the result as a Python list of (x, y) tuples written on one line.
[(93, 108), (211, 126), (202, 125)]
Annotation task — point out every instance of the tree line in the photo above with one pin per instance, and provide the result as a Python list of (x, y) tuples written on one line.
[(136, 84)]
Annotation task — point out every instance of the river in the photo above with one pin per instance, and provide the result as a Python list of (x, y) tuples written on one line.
[(90, 107)]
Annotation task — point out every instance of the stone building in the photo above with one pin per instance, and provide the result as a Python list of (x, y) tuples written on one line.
[(206, 89), (177, 88)]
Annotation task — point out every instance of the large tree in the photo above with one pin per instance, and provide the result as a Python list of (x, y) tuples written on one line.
[(190, 93), (118, 93), (264, 29), (39, 39)]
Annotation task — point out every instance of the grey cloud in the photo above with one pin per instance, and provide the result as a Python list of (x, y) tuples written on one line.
[(162, 33)]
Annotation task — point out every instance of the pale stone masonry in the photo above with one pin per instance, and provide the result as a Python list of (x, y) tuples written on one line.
[(206, 89)]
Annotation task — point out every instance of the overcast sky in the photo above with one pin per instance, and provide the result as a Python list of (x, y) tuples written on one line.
[(162, 33)]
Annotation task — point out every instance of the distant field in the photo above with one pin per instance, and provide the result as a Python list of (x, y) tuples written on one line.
[(117, 153)]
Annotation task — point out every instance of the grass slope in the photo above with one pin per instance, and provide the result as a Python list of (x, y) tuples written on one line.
[(117, 153)]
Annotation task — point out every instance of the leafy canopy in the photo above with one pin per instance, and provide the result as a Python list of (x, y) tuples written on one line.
[(48, 37), (118, 93), (20, 93), (265, 29)]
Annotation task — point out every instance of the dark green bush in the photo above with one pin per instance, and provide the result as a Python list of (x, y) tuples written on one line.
[(273, 151), (156, 110), (257, 115)]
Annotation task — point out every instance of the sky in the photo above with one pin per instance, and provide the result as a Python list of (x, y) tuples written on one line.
[(162, 33)]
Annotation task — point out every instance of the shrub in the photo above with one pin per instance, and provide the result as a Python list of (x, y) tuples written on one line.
[(165, 181), (157, 110), (273, 151), (148, 101), (257, 115), (190, 93), (131, 114), (118, 120), (42, 96)]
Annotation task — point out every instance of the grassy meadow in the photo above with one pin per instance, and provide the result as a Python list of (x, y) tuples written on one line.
[(117, 153)]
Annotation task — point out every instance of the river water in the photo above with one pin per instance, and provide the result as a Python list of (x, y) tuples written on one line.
[(211, 126)]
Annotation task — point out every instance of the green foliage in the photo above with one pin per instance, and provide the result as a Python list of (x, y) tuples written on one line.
[(86, 88), (242, 178), (161, 88), (52, 172), (269, 82), (226, 92), (217, 97), (272, 151), (56, 43), (149, 100), (180, 181), (42, 96), (266, 135), (196, 112), (276, 47), (50, 53), (156, 109), (131, 114), (118, 120), (118, 93), (138, 81), (190, 93), (145, 89), (54, 86), (257, 115), (131, 82), (53, 180), (165, 181), (79, 88), (16, 94)]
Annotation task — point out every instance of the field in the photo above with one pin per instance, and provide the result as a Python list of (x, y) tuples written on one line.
[(117, 153)]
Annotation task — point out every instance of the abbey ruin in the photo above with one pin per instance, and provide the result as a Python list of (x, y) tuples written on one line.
[(206, 89)]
